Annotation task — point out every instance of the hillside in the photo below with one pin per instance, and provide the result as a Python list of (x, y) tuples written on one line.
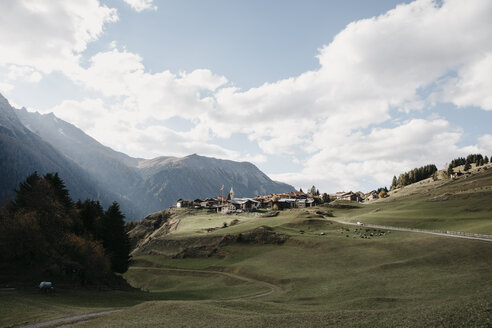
[(301, 268), (318, 273), (461, 204), (23, 152)]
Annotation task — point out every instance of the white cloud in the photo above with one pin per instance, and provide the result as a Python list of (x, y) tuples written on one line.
[(141, 5), (6, 88), (145, 95), (483, 146), (472, 86), (373, 65), (373, 158), (49, 35), (23, 73), (84, 114), (373, 69), (118, 127)]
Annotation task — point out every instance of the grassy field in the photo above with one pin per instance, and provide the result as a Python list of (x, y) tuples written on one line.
[(27, 306), (464, 204), (324, 274), (338, 279)]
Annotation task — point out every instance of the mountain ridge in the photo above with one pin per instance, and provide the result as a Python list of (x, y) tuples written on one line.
[(143, 186)]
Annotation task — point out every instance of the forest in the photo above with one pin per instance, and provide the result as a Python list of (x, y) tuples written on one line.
[(45, 235)]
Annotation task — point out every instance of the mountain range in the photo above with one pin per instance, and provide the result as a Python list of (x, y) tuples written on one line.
[(30, 141)]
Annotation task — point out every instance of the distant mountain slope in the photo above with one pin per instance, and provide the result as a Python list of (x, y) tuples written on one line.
[(23, 152), (144, 186), (195, 175), (113, 170)]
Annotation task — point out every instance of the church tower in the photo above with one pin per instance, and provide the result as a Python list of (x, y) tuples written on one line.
[(231, 194)]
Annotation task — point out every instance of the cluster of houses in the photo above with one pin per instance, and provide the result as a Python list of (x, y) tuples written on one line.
[(297, 199), (357, 196), (230, 204)]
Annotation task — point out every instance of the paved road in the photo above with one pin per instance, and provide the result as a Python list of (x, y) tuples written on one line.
[(482, 237)]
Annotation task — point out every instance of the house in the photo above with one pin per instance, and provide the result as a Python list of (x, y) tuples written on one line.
[(300, 203), (339, 194), (285, 203), (184, 203), (350, 196), (264, 201), (310, 202), (226, 208), (244, 204), (372, 195), (204, 203)]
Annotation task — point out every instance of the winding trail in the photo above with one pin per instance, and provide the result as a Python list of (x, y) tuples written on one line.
[(446, 234), (68, 321), (272, 287), (73, 320)]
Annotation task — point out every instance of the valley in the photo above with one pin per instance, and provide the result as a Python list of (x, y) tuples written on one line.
[(301, 266)]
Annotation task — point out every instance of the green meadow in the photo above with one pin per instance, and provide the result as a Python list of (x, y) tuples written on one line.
[(322, 274), (464, 204), (336, 279)]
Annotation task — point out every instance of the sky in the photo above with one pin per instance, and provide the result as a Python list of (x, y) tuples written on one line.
[(337, 94)]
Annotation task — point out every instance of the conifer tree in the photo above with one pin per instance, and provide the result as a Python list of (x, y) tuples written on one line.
[(450, 170), (313, 190), (115, 240), (394, 183)]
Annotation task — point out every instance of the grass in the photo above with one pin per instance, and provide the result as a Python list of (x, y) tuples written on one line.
[(455, 205), (29, 306), (394, 280), (191, 284), (338, 279)]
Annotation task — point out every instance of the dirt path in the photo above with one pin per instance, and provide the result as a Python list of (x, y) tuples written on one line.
[(73, 320), (272, 287), (454, 234), (69, 321)]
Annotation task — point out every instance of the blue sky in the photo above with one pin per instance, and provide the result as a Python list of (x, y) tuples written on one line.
[(339, 94)]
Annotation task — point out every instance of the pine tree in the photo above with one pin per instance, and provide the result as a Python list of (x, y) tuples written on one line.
[(114, 238), (394, 183), (486, 160), (450, 170), (467, 166), (60, 190), (313, 190), (91, 214)]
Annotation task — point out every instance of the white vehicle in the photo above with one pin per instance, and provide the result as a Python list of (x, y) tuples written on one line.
[(360, 223)]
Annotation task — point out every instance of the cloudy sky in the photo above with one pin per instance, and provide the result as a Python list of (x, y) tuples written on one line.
[(340, 94)]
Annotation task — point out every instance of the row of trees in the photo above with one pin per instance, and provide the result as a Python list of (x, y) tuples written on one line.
[(313, 191), (44, 233), (415, 175), (476, 159)]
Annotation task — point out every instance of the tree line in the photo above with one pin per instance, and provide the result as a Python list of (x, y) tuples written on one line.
[(477, 159), (412, 176), (44, 233)]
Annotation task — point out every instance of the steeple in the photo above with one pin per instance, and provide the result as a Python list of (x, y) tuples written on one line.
[(231, 194)]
